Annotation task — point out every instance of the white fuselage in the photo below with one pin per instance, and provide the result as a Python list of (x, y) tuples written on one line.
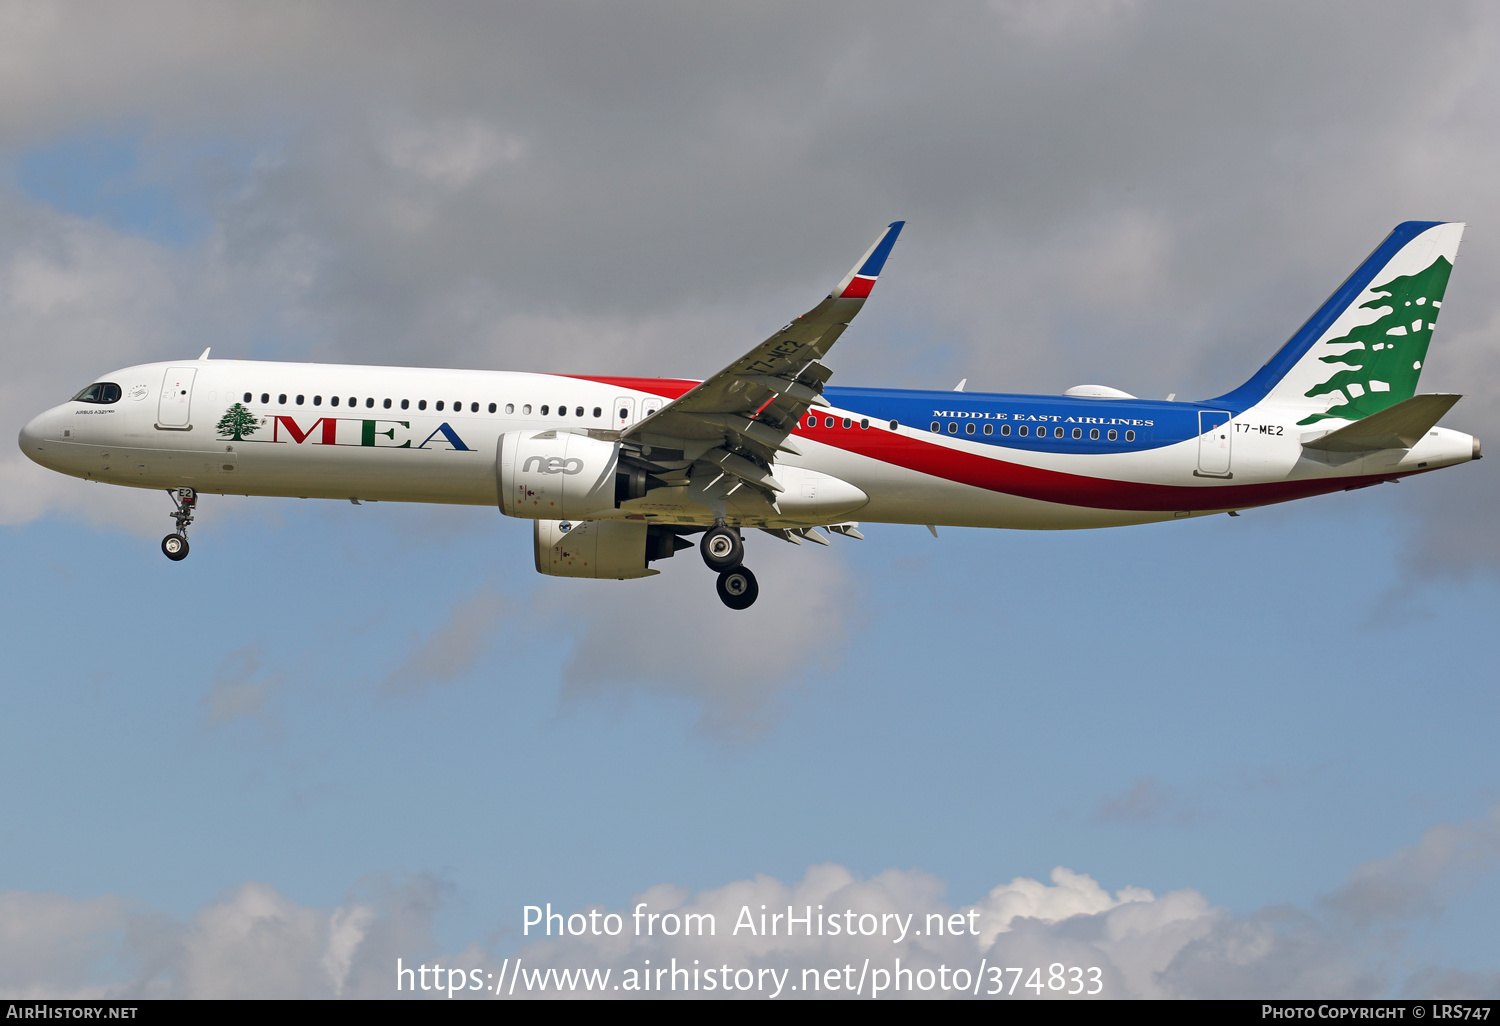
[(428, 435)]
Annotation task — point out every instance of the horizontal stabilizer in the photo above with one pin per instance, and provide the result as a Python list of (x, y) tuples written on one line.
[(1396, 427)]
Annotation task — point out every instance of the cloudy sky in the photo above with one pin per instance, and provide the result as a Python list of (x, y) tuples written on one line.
[(1227, 757)]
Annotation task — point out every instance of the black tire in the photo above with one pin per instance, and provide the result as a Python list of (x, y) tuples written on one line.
[(174, 547), (722, 549), (737, 588)]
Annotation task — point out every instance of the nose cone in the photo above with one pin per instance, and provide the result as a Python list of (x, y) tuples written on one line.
[(32, 435)]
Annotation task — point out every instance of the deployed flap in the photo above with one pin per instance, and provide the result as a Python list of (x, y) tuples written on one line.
[(742, 415), (1396, 427)]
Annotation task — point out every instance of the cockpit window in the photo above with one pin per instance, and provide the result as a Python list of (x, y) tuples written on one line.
[(103, 392)]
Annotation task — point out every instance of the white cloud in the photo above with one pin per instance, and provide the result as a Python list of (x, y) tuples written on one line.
[(255, 942)]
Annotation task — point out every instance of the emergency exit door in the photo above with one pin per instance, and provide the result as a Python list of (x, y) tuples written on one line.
[(624, 412)]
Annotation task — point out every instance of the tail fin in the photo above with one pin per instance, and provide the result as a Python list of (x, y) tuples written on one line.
[(1363, 350)]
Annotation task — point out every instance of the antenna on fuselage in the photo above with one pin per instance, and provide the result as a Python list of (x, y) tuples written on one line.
[(204, 354)]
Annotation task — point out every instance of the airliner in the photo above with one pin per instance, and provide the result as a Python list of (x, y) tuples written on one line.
[(617, 473)]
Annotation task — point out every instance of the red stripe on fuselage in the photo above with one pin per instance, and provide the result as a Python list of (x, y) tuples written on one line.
[(998, 475), (670, 388)]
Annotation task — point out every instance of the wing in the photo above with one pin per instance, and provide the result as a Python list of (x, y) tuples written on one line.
[(739, 419)]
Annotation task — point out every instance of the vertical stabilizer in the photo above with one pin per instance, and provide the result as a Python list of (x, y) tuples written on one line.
[(1364, 349)]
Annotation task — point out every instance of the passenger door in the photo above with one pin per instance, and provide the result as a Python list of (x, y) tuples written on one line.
[(175, 406), (1215, 434)]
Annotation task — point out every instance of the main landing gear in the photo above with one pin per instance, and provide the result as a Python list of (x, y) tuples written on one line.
[(175, 546), (723, 552)]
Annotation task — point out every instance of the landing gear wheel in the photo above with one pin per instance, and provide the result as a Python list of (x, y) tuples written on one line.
[(737, 588), (722, 549), (175, 546)]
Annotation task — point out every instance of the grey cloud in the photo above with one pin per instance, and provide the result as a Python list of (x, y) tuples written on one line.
[(664, 635), (252, 943), (1152, 196), (52, 944), (454, 648), (1417, 882), (1147, 800), (239, 689), (672, 637)]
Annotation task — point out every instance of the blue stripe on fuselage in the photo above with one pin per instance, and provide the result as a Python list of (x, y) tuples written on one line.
[(1156, 423)]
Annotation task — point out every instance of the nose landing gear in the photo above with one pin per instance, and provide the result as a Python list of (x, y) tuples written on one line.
[(175, 546)]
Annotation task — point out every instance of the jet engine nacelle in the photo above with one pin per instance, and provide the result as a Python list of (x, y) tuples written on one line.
[(600, 548), (557, 475)]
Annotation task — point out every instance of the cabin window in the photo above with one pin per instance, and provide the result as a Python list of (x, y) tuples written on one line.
[(103, 392), (281, 399), (578, 412), (510, 407), (1005, 429), (493, 407), (546, 410), (299, 400), (828, 422), (1078, 432), (969, 428), (526, 409), (989, 429), (438, 406), (1130, 436), (247, 397), (317, 400), (406, 404), (936, 426), (848, 422), (812, 421), (895, 424), (353, 401), (333, 400), (370, 403), (864, 423), (265, 398), (474, 407), (1024, 431), (1093, 434), (421, 404), (1113, 434), (1057, 432), (598, 412), (952, 428), (386, 404)]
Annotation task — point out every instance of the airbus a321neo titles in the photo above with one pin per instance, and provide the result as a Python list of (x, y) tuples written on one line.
[(618, 473)]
